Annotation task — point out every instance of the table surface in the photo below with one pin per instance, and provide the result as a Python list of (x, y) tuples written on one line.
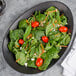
[(13, 9)]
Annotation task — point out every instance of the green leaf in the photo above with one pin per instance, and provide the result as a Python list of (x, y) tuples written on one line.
[(34, 42), (50, 26), (30, 19), (40, 17), (32, 51), (38, 34), (16, 34), (58, 16), (20, 56), (56, 56), (51, 8), (10, 46), (63, 20), (48, 46), (48, 58), (40, 49), (31, 64), (54, 35), (65, 39), (15, 50), (27, 32), (23, 24), (41, 28), (22, 49), (24, 45), (17, 45), (51, 15), (37, 51)]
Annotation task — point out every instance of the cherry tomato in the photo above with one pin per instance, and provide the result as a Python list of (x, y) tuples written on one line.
[(45, 39), (63, 29), (35, 24), (21, 41), (39, 62)]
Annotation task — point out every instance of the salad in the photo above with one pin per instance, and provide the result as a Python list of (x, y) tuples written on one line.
[(39, 39)]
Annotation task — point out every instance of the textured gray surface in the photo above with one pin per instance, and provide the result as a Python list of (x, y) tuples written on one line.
[(13, 9)]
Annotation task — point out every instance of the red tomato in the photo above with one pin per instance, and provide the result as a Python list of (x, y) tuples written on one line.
[(35, 24), (39, 62), (45, 39), (63, 29), (21, 41)]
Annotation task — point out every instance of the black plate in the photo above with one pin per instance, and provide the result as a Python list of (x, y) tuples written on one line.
[(9, 57)]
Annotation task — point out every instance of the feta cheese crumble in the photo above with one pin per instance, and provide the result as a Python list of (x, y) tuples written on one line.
[(25, 64), (25, 52), (34, 53), (60, 47), (32, 59), (20, 48)]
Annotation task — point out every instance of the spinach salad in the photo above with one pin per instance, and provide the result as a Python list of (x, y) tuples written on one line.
[(39, 39)]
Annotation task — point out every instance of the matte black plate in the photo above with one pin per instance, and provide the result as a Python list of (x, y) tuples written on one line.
[(9, 57)]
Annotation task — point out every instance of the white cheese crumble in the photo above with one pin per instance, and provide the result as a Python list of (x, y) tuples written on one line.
[(20, 48), (32, 37), (32, 59), (58, 25), (56, 10), (34, 53), (44, 51), (66, 23), (25, 64), (43, 21), (54, 30), (60, 47), (25, 52)]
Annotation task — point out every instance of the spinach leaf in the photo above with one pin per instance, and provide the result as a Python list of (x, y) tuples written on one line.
[(41, 28), (63, 20), (27, 32), (40, 17), (52, 53), (34, 42), (48, 28), (38, 34), (51, 8), (37, 51), (48, 46), (32, 51), (31, 64), (23, 24), (52, 14), (24, 45), (65, 39), (17, 45), (31, 19), (16, 34), (15, 50), (58, 16), (10, 46), (20, 58), (22, 49)]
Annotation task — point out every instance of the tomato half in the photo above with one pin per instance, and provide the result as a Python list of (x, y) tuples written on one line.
[(63, 29), (21, 41), (45, 39), (35, 24), (39, 62)]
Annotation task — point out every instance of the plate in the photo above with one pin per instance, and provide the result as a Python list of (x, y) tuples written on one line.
[(9, 57)]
